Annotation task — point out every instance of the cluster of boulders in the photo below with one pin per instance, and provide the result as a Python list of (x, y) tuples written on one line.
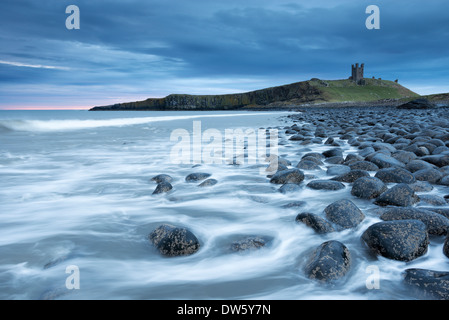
[(400, 155)]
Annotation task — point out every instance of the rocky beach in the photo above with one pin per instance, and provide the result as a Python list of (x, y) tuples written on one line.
[(391, 161)]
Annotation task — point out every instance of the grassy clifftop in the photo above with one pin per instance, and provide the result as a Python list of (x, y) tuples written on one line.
[(305, 92)]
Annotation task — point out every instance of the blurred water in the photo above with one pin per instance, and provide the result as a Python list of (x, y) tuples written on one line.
[(76, 190)]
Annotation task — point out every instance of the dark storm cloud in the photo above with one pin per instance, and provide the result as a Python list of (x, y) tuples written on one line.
[(138, 48)]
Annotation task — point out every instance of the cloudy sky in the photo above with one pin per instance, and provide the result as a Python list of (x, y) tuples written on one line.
[(128, 50)]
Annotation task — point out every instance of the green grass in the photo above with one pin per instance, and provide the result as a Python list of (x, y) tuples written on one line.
[(374, 89)]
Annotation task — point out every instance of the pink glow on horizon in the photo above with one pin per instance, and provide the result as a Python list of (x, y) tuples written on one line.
[(45, 108)]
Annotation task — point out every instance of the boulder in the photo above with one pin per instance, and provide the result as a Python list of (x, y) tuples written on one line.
[(195, 177), (437, 160), (289, 188), (351, 176), (436, 224), (344, 213), (288, 176), (163, 187), (368, 188), (364, 165), (333, 153), (403, 240), (395, 175), (326, 185), (385, 161), (162, 178), (431, 284), (420, 103), (400, 195), (315, 222), (250, 243), (446, 247), (174, 241), (337, 170), (208, 183), (329, 262), (308, 165), (429, 175)]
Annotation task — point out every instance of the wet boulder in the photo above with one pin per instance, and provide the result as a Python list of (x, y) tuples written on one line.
[(162, 178), (363, 165), (368, 188), (344, 213), (446, 247), (338, 170), (288, 176), (420, 103), (325, 185), (436, 224), (403, 240), (385, 161), (395, 175), (208, 183), (315, 222), (431, 284), (329, 262), (195, 177), (250, 243), (172, 241), (163, 187), (351, 176), (289, 188), (400, 195), (429, 175)]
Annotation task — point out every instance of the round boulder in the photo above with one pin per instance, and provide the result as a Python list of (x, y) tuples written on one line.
[(194, 177), (162, 178), (395, 175), (344, 213), (163, 187), (431, 284), (329, 262), (429, 175), (403, 240), (315, 222), (172, 241), (326, 185), (288, 176), (208, 183), (351, 176), (400, 195), (368, 188)]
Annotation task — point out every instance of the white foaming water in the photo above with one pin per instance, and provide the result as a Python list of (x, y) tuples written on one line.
[(68, 125), (84, 198)]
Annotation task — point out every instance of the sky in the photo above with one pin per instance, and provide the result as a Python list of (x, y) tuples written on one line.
[(130, 50)]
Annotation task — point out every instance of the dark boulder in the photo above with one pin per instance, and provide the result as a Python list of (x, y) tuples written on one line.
[(385, 161), (364, 165), (208, 183), (326, 185), (421, 186), (437, 160), (395, 175), (420, 103), (403, 240), (288, 176), (446, 247), (344, 213), (368, 188), (431, 284), (351, 176), (174, 241), (250, 243), (308, 165), (333, 153), (329, 262), (416, 165), (337, 170), (194, 177), (429, 175), (432, 199), (436, 224), (400, 195), (163, 187), (289, 188), (162, 178), (315, 222)]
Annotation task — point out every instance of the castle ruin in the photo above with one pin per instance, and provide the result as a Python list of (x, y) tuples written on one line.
[(357, 74)]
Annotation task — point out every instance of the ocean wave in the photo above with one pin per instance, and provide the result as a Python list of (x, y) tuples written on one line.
[(76, 124)]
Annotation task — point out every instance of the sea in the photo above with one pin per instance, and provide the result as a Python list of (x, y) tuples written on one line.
[(77, 206)]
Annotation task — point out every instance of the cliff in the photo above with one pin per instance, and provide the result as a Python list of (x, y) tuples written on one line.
[(307, 92)]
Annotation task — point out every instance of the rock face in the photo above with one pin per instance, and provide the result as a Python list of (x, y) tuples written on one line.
[(399, 195), (344, 213), (315, 222), (174, 241), (436, 224), (329, 262), (432, 284), (403, 240), (420, 103), (288, 176), (368, 188)]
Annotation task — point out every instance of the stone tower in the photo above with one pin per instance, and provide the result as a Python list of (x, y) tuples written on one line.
[(357, 73)]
